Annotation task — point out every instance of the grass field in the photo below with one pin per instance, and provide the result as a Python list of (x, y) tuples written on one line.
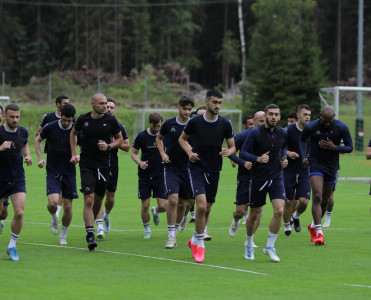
[(126, 266)]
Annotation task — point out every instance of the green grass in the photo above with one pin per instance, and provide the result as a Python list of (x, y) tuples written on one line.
[(135, 268)]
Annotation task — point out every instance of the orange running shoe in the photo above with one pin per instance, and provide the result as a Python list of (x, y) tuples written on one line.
[(193, 248), (200, 255), (313, 233)]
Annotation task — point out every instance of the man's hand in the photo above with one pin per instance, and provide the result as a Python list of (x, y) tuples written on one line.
[(264, 158), (305, 162), (292, 154), (328, 144), (143, 164), (248, 165), (41, 163), (284, 162), (28, 160), (224, 152), (233, 163), (75, 159), (165, 159), (5, 145), (193, 157)]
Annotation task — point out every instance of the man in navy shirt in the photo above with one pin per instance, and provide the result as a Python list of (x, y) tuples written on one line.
[(51, 117), (150, 173), (60, 173), (177, 182), (4, 211), (113, 178), (97, 129), (13, 147), (207, 132), (325, 135), (297, 184), (243, 178), (265, 147)]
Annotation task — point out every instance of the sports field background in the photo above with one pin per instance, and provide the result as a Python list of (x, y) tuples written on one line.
[(126, 266)]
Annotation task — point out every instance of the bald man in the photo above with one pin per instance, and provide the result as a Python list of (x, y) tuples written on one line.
[(325, 135)]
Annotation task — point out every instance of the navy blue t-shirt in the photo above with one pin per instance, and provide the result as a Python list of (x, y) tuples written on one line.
[(93, 130), (114, 160), (171, 130), (207, 140), (49, 117), (146, 142), (239, 139), (336, 132), (11, 160), (276, 141), (59, 149), (295, 166)]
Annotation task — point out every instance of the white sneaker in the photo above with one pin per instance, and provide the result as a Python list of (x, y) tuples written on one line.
[(107, 225), (249, 252), (171, 242), (147, 235), (272, 253), (183, 224), (100, 233), (1, 226), (253, 244), (245, 216), (62, 241), (233, 228), (327, 222), (54, 225), (207, 237)]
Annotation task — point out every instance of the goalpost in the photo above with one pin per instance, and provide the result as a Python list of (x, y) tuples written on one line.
[(4, 101)]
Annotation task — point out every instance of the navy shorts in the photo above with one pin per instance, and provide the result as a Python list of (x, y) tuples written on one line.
[(94, 180), (6, 201), (296, 186), (10, 188), (243, 189), (178, 182), (113, 178), (260, 189), (154, 184), (56, 183), (329, 176), (205, 183)]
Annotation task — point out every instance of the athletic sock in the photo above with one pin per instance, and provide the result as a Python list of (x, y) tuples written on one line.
[(55, 217), (312, 225), (89, 229), (193, 214), (155, 213), (205, 230), (296, 215), (146, 227), (171, 230), (64, 231), (194, 238), (271, 239), (13, 240), (106, 213), (328, 214), (287, 226), (176, 228), (250, 240), (58, 210), (200, 240), (319, 229), (235, 223), (99, 223)]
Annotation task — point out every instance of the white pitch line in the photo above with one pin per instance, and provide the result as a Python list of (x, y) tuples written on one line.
[(358, 285), (151, 257)]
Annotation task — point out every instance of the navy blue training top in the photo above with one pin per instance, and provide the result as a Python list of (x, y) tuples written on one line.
[(337, 132), (114, 160), (295, 166), (171, 130), (146, 142), (239, 139), (255, 145), (207, 140), (11, 160), (59, 149)]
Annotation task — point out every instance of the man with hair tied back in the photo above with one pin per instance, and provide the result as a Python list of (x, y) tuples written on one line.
[(207, 132), (97, 128), (13, 147)]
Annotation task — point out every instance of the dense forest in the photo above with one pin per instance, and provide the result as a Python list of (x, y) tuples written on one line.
[(123, 36)]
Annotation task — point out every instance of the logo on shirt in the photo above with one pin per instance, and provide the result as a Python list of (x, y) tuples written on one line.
[(318, 132), (104, 124), (86, 124), (173, 129), (87, 189)]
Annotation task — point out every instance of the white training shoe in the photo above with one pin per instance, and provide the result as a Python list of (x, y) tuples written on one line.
[(54, 225), (327, 222), (233, 228), (100, 233), (253, 244), (249, 252), (62, 241), (272, 253), (183, 224), (207, 237), (245, 216), (107, 225), (171, 242)]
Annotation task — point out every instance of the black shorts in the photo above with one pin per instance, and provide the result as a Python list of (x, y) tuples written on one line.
[(205, 183), (329, 176), (243, 189), (10, 188), (113, 178), (178, 182), (260, 189), (94, 180), (56, 183), (154, 184), (296, 186)]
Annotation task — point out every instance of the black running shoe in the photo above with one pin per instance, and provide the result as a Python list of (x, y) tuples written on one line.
[(291, 220), (192, 220), (287, 232), (297, 225), (92, 244)]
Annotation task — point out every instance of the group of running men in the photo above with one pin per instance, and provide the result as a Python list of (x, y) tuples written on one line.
[(180, 162)]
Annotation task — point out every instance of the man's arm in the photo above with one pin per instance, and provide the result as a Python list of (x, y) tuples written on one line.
[(193, 157), (38, 146), (161, 149), (125, 146), (26, 154), (73, 142), (38, 130), (134, 156), (231, 148), (368, 153)]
